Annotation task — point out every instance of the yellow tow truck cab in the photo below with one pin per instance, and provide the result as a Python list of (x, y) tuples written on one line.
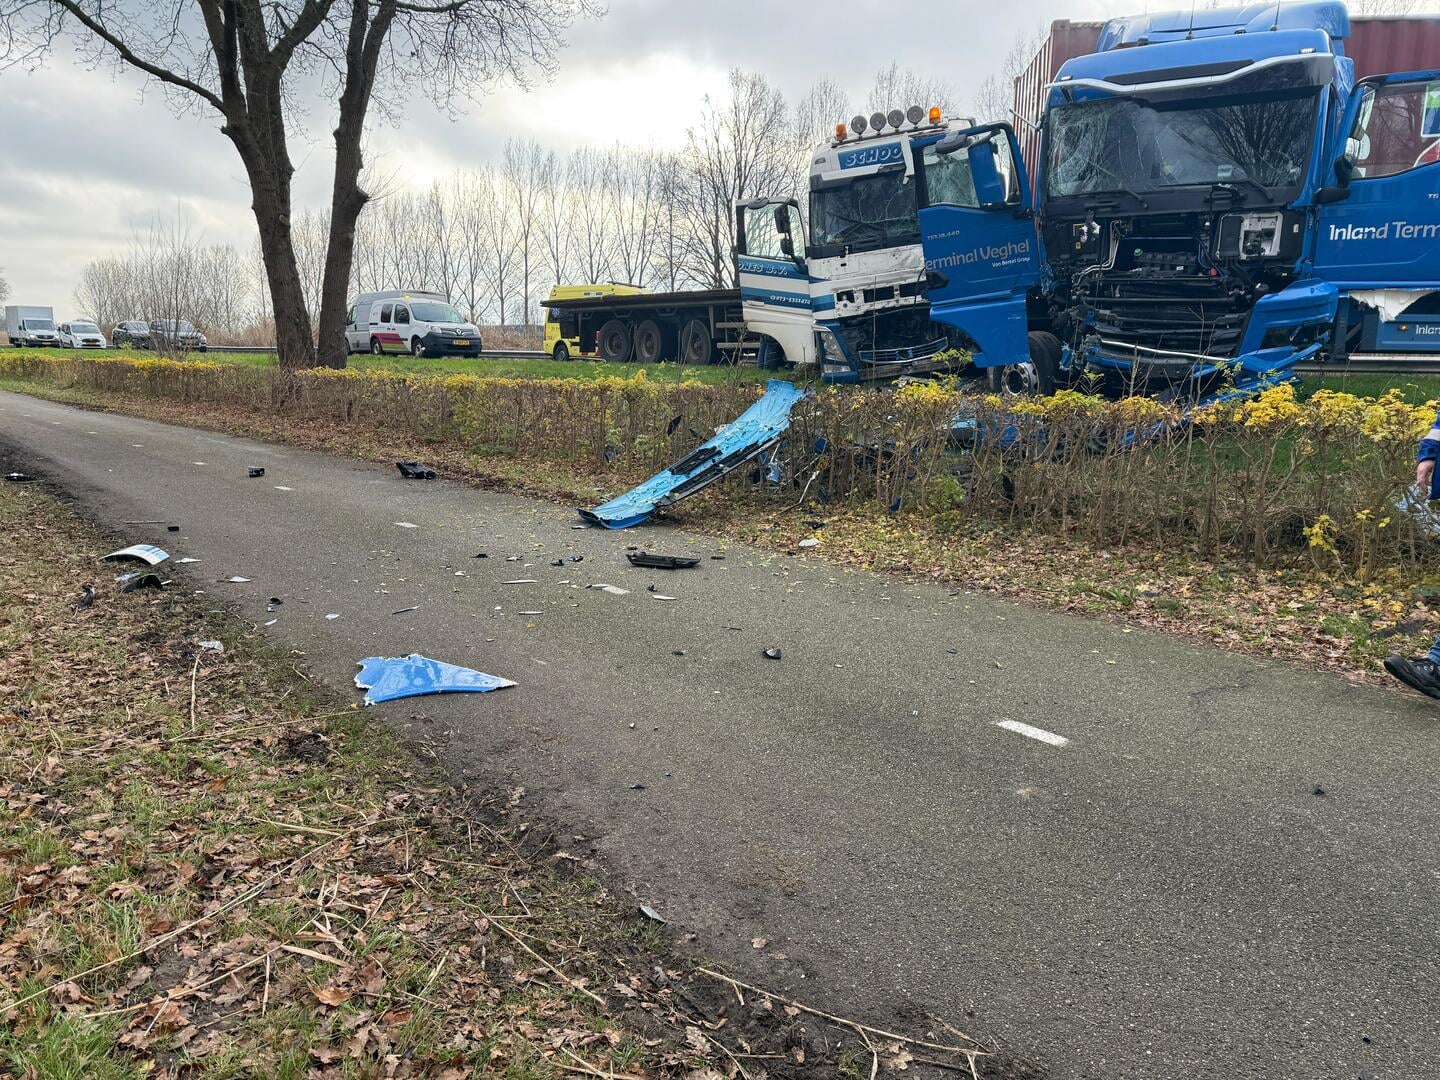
[(562, 341)]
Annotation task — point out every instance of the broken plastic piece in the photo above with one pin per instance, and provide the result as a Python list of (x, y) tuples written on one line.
[(661, 562), (256, 470), (149, 554), (388, 678), (407, 524), (613, 590), (403, 610), (675, 423), (653, 915), (19, 478), (213, 646), (276, 600), (413, 470), (333, 616), (141, 581), (662, 596), (757, 429), (187, 559), (773, 654), (86, 598), (238, 580), (521, 581), (172, 528), (557, 562), (810, 543)]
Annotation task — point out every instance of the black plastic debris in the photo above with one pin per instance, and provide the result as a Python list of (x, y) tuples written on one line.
[(670, 427), (577, 558), (20, 478), (637, 787), (653, 915), (256, 470), (172, 528), (403, 610), (142, 581), (611, 453), (557, 562), (677, 652), (276, 601), (1319, 790), (773, 654), (413, 470), (651, 588), (661, 562), (718, 558), (481, 555), (86, 598)]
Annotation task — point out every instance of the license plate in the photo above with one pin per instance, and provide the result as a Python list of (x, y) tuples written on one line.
[(462, 341)]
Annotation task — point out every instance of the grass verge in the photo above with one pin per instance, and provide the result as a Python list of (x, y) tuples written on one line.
[(211, 868), (499, 367)]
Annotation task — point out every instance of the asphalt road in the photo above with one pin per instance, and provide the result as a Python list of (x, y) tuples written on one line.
[(1164, 895)]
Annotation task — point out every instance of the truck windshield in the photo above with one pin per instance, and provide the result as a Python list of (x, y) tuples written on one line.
[(864, 214), (39, 324), (1125, 144), (442, 313)]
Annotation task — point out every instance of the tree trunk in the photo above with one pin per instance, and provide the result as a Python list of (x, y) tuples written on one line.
[(347, 198)]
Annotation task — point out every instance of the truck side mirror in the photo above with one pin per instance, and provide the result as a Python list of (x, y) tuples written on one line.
[(782, 220), (990, 188), (787, 246)]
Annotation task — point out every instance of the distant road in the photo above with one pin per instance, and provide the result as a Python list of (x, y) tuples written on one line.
[(1121, 854)]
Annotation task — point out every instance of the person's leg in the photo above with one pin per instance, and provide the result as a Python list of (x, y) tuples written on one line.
[(1420, 674)]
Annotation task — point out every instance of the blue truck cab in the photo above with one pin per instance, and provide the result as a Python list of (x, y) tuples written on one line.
[(1216, 200)]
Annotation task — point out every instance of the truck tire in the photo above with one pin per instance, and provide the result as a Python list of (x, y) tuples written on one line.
[(652, 342), (616, 342), (376, 349), (1035, 377), (696, 344), (562, 352), (417, 348)]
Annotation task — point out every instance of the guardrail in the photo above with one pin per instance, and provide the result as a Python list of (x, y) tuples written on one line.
[(486, 354), (1377, 364)]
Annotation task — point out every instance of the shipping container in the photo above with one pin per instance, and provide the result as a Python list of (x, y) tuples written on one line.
[(1377, 45)]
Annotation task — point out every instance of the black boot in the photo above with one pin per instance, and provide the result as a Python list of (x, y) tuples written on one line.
[(1422, 674)]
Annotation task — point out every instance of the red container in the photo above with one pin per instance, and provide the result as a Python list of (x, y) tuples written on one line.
[(1377, 45)]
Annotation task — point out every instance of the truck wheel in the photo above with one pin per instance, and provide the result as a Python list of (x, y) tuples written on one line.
[(615, 342), (375, 347), (417, 347), (1036, 376), (696, 345), (562, 352), (652, 342)]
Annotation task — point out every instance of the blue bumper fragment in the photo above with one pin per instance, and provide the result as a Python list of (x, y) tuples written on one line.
[(757, 429), (389, 677)]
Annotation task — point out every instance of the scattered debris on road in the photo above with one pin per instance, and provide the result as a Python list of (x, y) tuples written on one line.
[(661, 562), (653, 915), (149, 554), (521, 581), (662, 596), (413, 470), (20, 478), (332, 616), (256, 470), (388, 678), (213, 646), (403, 610), (86, 597), (811, 542), (613, 590), (773, 653), (407, 524), (238, 580)]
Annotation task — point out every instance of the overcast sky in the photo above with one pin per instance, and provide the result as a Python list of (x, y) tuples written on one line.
[(89, 159)]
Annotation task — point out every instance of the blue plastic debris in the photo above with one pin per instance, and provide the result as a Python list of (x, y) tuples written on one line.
[(757, 429), (146, 553), (389, 677)]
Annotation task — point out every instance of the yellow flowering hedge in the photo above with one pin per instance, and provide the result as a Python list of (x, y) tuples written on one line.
[(1270, 478)]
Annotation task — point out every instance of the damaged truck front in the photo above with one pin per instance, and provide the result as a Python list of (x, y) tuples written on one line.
[(1217, 202)]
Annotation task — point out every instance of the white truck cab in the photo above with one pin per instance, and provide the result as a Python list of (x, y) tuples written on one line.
[(27, 324), (849, 292), (409, 320)]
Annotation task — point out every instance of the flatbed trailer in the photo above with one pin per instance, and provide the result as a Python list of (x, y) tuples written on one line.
[(701, 326)]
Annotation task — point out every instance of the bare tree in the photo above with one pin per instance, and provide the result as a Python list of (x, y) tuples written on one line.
[(895, 87), (4, 287), (817, 113), (244, 60), (994, 98), (523, 170), (557, 230)]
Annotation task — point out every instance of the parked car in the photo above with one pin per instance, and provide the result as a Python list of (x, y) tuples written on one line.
[(81, 334), (132, 332), (177, 334), (420, 323)]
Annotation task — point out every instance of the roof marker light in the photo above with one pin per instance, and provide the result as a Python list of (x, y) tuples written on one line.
[(840, 133), (934, 114)]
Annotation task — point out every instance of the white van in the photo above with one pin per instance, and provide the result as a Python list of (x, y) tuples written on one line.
[(413, 321)]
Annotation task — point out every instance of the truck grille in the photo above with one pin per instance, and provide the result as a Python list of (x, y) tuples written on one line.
[(1183, 313)]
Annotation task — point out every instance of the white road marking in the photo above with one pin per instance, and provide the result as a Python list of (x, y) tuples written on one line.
[(1033, 732)]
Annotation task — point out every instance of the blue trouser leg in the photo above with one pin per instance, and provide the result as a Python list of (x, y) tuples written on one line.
[(1434, 653)]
